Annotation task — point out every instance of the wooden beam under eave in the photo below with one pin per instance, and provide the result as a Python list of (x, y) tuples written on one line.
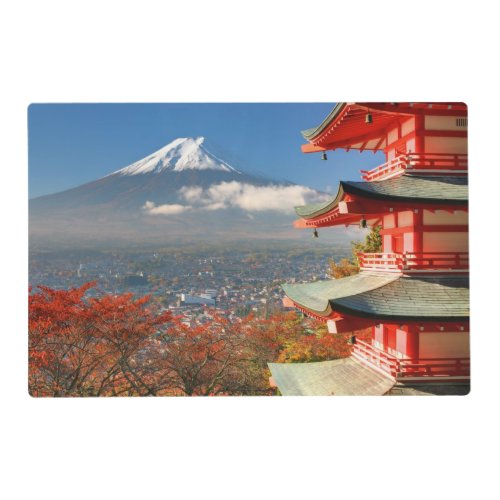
[(347, 325), (302, 224), (339, 220), (311, 148), (359, 208), (450, 228), (288, 302), (379, 143), (360, 139), (458, 109), (368, 206)]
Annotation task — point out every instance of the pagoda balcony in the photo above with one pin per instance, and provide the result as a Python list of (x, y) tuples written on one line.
[(422, 262), (411, 368), (419, 163)]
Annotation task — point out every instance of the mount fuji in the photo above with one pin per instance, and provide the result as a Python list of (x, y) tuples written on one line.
[(181, 154), (180, 193)]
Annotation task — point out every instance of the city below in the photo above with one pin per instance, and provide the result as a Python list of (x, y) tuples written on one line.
[(234, 280)]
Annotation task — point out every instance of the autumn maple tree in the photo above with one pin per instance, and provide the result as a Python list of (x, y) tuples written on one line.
[(204, 359), (91, 347), (119, 345), (316, 344)]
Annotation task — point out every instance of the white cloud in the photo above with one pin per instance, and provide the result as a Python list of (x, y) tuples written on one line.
[(191, 193), (218, 205), (250, 198), (247, 197), (225, 191), (151, 209), (275, 198)]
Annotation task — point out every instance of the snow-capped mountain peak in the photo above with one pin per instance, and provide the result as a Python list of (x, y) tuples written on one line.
[(181, 154)]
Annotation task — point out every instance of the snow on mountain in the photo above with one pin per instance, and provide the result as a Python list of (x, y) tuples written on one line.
[(177, 156)]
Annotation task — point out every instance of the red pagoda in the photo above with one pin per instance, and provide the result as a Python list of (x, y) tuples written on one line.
[(414, 294)]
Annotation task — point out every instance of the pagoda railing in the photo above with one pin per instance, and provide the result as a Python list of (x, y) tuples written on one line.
[(379, 359), (401, 368), (424, 163), (416, 261)]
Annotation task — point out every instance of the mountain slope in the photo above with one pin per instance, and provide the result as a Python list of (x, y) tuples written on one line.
[(158, 177), (181, 192)]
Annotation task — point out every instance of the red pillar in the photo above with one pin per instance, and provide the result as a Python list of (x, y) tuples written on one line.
[(418, 235), (419, 134), (412, 342)]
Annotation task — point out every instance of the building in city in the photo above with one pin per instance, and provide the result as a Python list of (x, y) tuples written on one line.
[(201, 300), (414, 294)]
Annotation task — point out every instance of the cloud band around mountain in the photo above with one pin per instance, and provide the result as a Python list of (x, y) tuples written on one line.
[(150, 208), (235, 194)]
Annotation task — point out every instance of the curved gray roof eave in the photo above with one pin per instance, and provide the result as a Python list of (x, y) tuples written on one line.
[(437, 190), (310, 133), (387, 296)]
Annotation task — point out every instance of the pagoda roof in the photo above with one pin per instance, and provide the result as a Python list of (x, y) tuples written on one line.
[(313, 131), (405, 188), (386, 296), (316, 296), (338, 377), (346, 127)]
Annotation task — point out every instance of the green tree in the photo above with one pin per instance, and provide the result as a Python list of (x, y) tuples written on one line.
[(372, 244), (348, 267)]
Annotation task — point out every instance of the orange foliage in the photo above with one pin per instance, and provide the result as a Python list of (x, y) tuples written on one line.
[(89, 347), (344, 268), (205, 359), (320, 346), (119, 345)]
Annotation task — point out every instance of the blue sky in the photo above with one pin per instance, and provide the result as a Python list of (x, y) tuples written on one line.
[(70, 144)]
